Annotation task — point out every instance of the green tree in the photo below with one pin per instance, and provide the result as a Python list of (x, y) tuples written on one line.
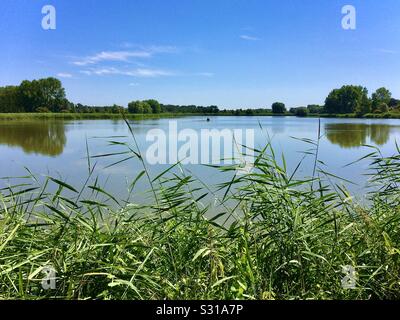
[(380, 96), (155, 106), (347, 99), (29, 93), (135, 107), (278, 107), (301, 112), (383, 108), (116, 109), (146, 107), (42, 110), (394, 103), (10, 100), (139, 107), (365, 106), (44, 93), (53, 94), (315, 109)]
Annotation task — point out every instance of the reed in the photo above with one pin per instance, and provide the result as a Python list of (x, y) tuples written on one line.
[(274, 236)]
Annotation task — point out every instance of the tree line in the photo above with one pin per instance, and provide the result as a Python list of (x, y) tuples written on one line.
[(41, 95), (44, 95), (153, 106), (352, 99), (346, 100), (48, 95)]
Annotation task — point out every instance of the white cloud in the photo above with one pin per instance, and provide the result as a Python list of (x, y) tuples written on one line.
[(139, 73), (205, 74), (134, 84), (95, 65), (123, 56), (151, 49), (111, 56), (150, 73), (64, 75), (249, 38)]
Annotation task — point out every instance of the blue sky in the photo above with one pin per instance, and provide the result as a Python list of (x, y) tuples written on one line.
[(233, 53)]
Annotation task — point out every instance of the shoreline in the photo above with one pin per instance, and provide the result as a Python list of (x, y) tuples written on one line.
[(112, 116)]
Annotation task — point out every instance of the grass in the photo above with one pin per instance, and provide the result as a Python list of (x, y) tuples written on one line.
[(105, 116), (84, 116), (387, 115), (274, 236)]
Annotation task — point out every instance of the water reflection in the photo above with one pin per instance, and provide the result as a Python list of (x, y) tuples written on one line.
[(38, 137), (49, 137), (351, 135)]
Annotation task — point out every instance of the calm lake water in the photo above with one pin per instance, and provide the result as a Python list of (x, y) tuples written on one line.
[(58, 148)]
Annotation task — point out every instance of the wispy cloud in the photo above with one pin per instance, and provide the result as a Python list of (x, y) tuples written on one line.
[(139, 73), (205, 74), (151, 73), (111, 56), (249, 38), (134, 84), (387, 51), (142, 73), (124, 56), (152, 49), (64, 75), (120, 63)]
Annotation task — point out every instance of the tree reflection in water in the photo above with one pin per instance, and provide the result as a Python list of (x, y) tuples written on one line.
[(49, 138), (351, 135), (38, 137)]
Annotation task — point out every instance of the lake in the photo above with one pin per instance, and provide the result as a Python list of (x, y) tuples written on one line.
[(58, 148)]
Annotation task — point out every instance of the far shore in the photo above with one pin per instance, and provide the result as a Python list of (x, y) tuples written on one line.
[(117, 116)]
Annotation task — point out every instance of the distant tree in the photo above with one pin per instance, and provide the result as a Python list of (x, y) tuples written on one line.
[(364, 107), (155, 105), (10, 99), (135, 107), (278, 108), (30, 96), (116, 109), (301, 112), (212, 109), (139, 107), (381, 95), (42, 110), (146, 107), (348, 99), (71, 107), (382, 108), (53, 94), (315, 109), (44, 93), (394, 103)]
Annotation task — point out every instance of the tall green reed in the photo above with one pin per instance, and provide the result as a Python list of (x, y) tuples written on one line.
[(273, 235)]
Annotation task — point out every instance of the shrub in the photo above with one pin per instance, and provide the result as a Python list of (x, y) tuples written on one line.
[(42, 110), (301, 112)]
